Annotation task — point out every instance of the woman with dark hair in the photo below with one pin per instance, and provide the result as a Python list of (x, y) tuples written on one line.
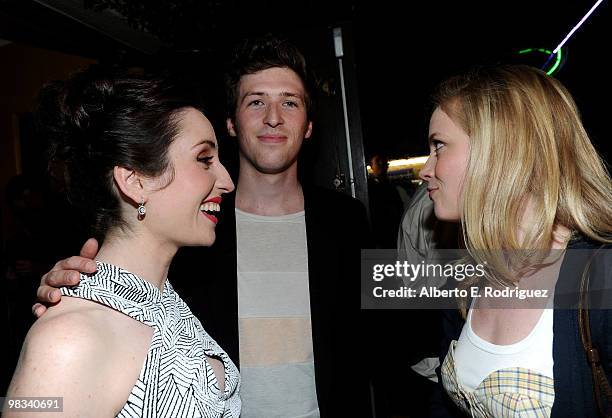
[(511, 161), (141, 163)]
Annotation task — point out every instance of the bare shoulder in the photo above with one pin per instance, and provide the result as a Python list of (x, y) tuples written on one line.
[(68, 332), (74, 351)]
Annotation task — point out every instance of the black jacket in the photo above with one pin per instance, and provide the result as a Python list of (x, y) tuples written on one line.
[(336, 230)]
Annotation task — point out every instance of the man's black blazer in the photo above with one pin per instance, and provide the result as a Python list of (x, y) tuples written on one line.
[(336, 229)]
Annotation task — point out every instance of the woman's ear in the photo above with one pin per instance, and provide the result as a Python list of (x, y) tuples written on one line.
[(130, 184)]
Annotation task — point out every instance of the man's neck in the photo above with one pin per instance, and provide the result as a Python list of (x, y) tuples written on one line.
[(269, 194)]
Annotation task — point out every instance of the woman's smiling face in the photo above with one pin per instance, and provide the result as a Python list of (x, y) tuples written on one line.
[(183, 212)]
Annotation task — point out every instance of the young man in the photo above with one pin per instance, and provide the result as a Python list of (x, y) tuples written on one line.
[(279, 289)]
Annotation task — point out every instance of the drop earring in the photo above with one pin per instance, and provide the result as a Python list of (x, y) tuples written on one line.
[(142, 211)]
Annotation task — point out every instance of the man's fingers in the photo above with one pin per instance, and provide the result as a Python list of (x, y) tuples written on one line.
[(80, 264), (48, 294), (38, 310), (89, 249), (60, 278), (65, 273)]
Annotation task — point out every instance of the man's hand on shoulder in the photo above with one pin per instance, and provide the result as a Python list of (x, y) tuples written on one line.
[(65, 273)]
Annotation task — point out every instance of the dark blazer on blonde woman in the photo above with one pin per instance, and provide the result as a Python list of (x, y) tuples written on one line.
[(574, 396)]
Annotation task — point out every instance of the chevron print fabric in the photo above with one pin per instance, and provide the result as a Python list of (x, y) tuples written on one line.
[(175, 380)]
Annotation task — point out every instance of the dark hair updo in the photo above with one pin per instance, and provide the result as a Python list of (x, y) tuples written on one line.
[(99, 119)]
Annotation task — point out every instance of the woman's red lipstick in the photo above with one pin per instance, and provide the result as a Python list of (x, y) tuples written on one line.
[(216, 200)]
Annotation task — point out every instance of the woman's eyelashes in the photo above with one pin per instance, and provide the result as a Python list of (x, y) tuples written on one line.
[(437, 145), (206, 160)]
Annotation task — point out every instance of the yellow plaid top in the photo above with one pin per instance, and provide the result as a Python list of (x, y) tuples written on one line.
[(509, 392)]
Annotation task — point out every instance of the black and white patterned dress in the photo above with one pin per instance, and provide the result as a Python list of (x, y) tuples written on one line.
[(175, 380)]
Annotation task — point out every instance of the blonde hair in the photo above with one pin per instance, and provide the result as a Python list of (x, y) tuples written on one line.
[(526, 140)]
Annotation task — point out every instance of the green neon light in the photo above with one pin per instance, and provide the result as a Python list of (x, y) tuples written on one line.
[(547, 52), (557, 63)]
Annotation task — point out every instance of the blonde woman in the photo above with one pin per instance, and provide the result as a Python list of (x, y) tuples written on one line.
[(512, 162)]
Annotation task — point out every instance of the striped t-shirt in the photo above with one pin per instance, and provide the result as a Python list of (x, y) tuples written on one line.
[(276, 354)]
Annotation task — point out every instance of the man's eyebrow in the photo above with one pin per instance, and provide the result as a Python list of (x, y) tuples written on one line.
[(252, 93), (209, 142), (290, 94)]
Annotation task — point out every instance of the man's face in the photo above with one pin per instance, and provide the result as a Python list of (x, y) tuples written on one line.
[(271, 120), (380, 166)]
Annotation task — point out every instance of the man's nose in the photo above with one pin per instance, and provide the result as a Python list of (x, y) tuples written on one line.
[(273, 116)]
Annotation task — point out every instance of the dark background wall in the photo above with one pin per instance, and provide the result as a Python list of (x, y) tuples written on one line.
[(395, 54), (403, 55)]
